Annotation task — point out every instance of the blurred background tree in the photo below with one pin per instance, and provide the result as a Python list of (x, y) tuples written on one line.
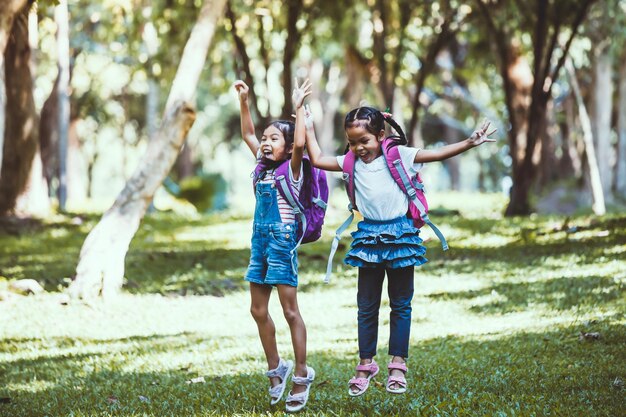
[(441, 66)]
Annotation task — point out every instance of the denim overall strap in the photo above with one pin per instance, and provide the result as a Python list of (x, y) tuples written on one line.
[(266, 210)]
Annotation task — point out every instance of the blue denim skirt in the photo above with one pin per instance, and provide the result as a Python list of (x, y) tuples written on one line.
[(389, 243)]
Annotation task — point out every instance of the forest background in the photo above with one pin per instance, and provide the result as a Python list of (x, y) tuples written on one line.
[(122, 167)]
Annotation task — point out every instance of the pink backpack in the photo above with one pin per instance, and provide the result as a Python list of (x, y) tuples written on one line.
[(411, 186)]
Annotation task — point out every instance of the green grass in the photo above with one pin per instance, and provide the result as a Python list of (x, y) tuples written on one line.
[(496, 329)]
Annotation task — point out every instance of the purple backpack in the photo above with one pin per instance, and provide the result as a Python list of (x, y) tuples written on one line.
[(310, 207)]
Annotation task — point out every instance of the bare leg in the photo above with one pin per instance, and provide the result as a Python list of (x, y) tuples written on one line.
[(289, 300), (260, 297)]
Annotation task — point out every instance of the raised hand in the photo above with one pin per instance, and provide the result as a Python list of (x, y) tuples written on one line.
[(308, 117), (242, 89), (300, 93), (481, 136)]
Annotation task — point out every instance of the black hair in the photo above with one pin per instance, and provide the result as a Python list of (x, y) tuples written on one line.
[(373, 120), (287, 128)]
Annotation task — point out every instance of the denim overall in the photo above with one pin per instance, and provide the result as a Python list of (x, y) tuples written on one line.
[(273, 258)]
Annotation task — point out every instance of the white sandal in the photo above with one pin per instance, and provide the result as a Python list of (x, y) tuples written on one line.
[(302, 397), (282, 371)]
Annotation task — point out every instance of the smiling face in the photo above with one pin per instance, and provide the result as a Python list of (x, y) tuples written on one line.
[(365, 145), (273, 145)]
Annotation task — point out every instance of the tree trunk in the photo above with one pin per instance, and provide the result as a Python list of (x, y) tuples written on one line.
[(452, 165), (294, 9), (3, 102), (602, 109), (518, 83), (620, 169), (548, 25), (356, 70), (184, 163), (49, 136), (63, 95), (592, 163), (8, 12), (77, 180), (34, 200), (325, 104), (569, 163), (20, 136), (101, 266), (548, 163)]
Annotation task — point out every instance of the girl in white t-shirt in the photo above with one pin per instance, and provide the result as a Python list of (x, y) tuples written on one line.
[(386, 240)]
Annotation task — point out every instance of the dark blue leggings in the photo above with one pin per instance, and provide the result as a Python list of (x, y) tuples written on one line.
[(400, 290)]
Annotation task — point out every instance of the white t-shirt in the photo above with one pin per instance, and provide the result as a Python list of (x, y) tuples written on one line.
[(377, 195)]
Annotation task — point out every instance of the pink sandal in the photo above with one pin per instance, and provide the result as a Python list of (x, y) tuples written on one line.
[(363, 383), (400, 380)]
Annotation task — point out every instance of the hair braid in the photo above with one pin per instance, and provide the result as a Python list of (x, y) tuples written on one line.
[(401, 136)]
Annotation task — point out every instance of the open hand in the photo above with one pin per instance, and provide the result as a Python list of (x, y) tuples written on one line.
[(481, 136), (300, 93), (242, 89), (308, 117)]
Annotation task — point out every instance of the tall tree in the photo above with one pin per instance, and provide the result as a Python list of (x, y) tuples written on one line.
[(8, 10), (620, 170), (546, 23), (63, 95), (286, 23), (595, 179), (100, 270), (20, 130)]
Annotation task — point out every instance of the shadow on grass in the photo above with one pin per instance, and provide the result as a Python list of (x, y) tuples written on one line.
[(508, 257), (157, 263), (545, 373), (560, 293)]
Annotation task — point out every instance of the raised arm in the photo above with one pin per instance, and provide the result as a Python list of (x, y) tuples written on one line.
[(327, 163), (299, 137), (247, 126), (477, 138)]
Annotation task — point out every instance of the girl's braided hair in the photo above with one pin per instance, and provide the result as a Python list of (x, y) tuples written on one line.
[(373, 120)]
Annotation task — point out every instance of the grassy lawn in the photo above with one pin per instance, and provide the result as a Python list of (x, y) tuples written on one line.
[(497, 321)]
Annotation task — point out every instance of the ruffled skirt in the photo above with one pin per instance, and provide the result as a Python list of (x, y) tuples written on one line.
[(390, 243)]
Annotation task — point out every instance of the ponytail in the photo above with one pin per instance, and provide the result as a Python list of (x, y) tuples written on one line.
[(373, 120), (400, 138)]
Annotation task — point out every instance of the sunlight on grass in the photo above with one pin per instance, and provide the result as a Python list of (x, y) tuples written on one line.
[(481, 241), (497, 322)]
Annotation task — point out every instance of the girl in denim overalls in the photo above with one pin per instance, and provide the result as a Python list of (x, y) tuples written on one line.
[(273, 258), (386, 242)]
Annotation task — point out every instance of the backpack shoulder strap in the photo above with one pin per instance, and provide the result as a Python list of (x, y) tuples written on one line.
[(285, 188), (397, 169), (348, 176), (410, 188)]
